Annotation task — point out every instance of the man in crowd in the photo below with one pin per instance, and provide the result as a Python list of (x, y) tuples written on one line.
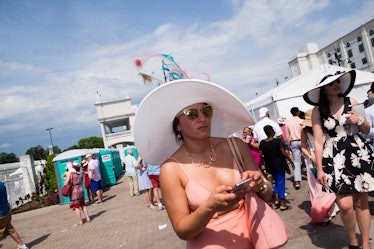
[(131, 173), (95, 176), (293, 131), (154, 176), (6, 227), (258, 130)]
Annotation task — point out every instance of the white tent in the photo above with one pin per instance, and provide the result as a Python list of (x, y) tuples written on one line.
[(281, 99)]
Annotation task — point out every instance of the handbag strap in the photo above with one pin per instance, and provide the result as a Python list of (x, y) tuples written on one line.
[(236, 154)]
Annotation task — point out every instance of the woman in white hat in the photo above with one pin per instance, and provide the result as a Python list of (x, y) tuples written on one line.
[(344, 160), (198, 172), (323, 207)]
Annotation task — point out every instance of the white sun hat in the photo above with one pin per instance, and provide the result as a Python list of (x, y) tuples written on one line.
[(153, 125), (347, 81)]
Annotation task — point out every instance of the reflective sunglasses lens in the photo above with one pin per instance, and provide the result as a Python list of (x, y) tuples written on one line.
[(192, 113), (207, 111)]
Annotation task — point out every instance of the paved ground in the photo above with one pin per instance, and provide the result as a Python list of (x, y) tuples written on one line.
[(126, 222)]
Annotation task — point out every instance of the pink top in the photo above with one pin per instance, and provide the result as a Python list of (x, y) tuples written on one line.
[(294, 129), (226, 231), (255, 152)]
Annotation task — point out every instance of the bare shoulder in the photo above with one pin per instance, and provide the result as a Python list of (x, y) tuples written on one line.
[(169, 165)]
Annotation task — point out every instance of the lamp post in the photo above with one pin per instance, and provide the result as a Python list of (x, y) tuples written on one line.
[(50, 136)]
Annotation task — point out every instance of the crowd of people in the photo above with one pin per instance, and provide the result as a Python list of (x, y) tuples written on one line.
[(331, 141), (190, 159)]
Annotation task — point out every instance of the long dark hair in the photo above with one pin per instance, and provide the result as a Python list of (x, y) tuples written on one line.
[(323, 104)]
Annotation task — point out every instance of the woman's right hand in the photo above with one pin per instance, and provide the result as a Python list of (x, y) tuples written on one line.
[(321, 176), (223, 200)]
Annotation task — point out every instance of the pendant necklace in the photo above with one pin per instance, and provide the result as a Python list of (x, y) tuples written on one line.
[(198, 163)]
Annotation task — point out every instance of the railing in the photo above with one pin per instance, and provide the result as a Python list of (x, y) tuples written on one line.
[(118, 134)]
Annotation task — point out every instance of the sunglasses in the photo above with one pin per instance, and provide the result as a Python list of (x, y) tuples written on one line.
[(332, 83), (193, 113)]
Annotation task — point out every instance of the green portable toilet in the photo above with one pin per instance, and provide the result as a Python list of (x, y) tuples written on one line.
[(111, 167), (133, 148)]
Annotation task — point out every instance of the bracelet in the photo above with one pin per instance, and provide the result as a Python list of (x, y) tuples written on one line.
[(360, 121), (264, 186)]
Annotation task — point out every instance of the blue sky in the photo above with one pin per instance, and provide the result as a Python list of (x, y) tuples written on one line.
[(56, 55)]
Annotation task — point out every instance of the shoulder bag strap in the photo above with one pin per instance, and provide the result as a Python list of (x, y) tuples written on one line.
[(236, 154)]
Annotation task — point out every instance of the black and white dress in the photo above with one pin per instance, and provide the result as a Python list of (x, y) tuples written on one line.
[(347, 158)]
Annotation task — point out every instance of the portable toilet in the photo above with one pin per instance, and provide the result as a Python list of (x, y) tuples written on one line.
[(60, 163), (112, 167), (133, 148)]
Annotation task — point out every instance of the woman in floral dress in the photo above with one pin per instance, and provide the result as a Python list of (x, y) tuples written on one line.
[(77, 194), (344, 160)]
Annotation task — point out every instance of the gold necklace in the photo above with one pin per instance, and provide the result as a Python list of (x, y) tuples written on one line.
[(206, 164)]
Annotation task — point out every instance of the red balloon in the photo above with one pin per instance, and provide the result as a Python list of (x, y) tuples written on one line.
[(138, 62)]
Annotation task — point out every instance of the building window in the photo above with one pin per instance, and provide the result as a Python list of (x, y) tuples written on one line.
[(372, 42), (349, 52), (328, 55), (348, 45), (353, 65), (361, 48), (331, 61), (337, 49), (359, 38), (364, 61), (371, 32)]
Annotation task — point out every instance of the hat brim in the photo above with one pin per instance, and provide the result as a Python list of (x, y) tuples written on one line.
[(153, 125), (307, 122), (347, 81)]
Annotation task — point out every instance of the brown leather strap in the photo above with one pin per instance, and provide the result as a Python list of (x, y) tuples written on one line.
[(236, 153)]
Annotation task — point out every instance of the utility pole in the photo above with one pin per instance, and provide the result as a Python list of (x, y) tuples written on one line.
[(50, 136)]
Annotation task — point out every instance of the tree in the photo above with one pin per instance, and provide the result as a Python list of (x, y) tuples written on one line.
[(37, 152), (73, 147), (8, 158), (90, 143), (49, 175)]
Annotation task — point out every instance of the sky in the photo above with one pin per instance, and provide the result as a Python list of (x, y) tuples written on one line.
[(56, 57)]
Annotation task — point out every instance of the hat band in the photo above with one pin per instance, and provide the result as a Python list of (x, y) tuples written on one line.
[(329, 75)]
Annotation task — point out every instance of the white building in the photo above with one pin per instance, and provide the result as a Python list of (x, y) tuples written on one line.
[(354, 50)]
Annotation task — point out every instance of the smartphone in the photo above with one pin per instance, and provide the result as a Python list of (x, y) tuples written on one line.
[(241, 185)]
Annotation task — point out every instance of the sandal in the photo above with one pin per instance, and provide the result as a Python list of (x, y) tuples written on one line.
[(285, 208), (277, 205), (354, 247)]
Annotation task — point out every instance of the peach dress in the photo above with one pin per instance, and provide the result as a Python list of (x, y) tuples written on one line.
[(226, 231)]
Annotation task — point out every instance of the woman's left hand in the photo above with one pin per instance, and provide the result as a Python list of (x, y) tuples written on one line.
[(352, 118)]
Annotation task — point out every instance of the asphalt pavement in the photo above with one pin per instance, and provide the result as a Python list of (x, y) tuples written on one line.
[(122, 221)]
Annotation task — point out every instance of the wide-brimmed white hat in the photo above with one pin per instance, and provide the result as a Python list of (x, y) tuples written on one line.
[(153, 126), (347, 81)]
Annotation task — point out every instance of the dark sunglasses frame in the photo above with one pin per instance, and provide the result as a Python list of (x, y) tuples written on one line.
[(193, 113)]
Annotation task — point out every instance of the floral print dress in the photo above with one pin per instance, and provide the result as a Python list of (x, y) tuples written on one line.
[(347, 158), (77, 194)]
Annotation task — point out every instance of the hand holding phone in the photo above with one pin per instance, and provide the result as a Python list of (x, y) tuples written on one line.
[(241, 185)]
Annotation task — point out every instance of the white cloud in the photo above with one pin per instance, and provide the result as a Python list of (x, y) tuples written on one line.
[(15, 67), (244, 53)]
